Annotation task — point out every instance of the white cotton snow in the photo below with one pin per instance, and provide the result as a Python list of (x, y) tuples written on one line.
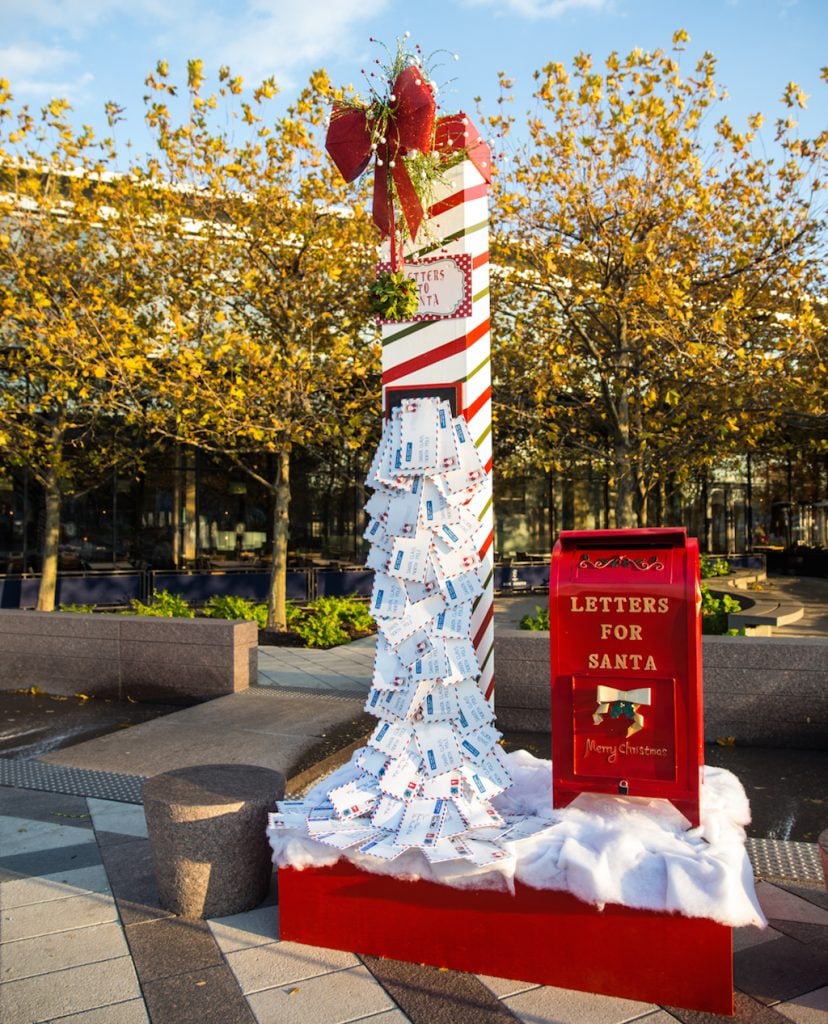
[(602, 849)]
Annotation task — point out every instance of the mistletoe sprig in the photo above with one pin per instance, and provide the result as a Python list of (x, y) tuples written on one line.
[(394, 296)]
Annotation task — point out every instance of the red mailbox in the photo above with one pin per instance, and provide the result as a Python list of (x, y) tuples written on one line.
[(626, 671)]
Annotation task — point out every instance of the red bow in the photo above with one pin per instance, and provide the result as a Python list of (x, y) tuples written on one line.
[(411, 126)]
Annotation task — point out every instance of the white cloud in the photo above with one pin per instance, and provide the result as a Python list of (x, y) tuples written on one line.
[(536, 9), (276, 37), (37, 71), (256, 38), (76, 17), (23, 61)]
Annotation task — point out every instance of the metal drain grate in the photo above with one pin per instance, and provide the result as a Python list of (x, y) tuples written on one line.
[(56, 778), (781, 859)]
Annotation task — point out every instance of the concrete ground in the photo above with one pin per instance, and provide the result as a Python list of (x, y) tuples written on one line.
[(84, 940)]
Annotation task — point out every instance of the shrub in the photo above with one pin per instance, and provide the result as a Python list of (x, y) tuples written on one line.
[(536, 622), (232, 607), (163, 605), (323, 623), (713, 567), (76, 607), (715, 611)]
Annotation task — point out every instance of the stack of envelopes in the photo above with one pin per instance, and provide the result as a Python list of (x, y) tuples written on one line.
[(433, 762)]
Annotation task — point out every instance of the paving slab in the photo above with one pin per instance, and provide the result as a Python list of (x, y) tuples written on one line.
[(168, 946), (243, 931), (343, 996), (19, 835), (38, 919), (811, 1008), (18, 890), (210, 996), (428, 994), (119, 818), (285, 963), (131, 1012), (43, 954), (44, 998), (550, 1005)]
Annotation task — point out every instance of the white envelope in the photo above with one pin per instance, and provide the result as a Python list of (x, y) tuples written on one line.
[(373, 701), (526, 828), (423, 612), (403, 513), (453, 823), (388, 598), (371, 760), (450, 562), (391, 738), (321, 812), (477, 814), (401, 779), (383, 848), (277, 819), (354, 798), (381, 463), (438, 746), (413, 647), (447, 785), (421, 821), (434, 509), (447, 458), (481, 783), (457, 529), (439, 705), (343, 839), (388, 813), (418, 435), (496, 768), (463, 657), (462, 588), (375, 533), (467, 453), (474, 710), (389, 671), (409, 556), (433, 666), (394, 631), (400, 703), (444, 850), (377, 505), (419, 591), (453, 621), (483, 852), (476, 745), (378, 557)]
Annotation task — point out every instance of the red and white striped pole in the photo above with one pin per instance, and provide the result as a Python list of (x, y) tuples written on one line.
[(451, 355)]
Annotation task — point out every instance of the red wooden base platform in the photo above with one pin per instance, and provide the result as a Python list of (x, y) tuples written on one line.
[(542, 936)]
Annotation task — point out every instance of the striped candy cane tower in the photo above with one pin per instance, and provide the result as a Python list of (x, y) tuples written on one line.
[(435, 353)]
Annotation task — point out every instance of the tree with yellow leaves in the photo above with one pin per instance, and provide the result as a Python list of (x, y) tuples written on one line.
[(660, 293), (261, 322), (70, 324)]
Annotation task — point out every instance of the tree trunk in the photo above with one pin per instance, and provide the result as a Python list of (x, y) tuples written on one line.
[(51, 540), (277, 598)]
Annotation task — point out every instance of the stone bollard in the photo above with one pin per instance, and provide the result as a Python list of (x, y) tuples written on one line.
[(206, 827)]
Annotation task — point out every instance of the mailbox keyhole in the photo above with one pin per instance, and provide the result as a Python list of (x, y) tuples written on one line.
[(623, 787)]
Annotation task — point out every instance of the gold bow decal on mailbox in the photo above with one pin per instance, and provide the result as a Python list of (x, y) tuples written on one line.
[(622, 702)]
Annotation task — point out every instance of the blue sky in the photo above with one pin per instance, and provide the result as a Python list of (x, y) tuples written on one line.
[(91, 51)]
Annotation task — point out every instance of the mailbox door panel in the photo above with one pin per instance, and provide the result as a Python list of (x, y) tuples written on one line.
[(624, 731)]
